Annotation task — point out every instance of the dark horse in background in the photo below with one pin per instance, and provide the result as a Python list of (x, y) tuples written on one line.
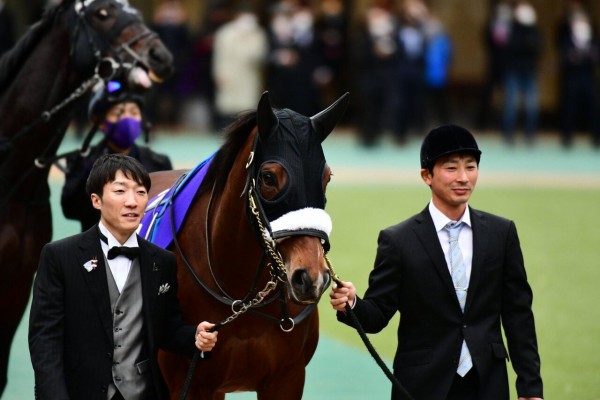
[(47, 65), (257, 219)]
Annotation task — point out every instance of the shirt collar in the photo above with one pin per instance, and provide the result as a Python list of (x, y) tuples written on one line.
[(440, 220), (130, 242)]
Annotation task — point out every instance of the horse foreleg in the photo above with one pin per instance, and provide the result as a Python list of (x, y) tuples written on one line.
[(288, 385)]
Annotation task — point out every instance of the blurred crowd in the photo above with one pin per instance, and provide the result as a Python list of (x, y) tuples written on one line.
[(396, 59)]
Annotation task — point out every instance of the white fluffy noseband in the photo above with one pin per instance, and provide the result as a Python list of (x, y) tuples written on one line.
[(302, 221)]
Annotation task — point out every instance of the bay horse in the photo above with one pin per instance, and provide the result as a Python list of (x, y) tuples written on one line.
[(40, 81), (255, 239)]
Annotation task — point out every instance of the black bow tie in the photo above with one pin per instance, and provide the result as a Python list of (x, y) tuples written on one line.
[(129, 252)]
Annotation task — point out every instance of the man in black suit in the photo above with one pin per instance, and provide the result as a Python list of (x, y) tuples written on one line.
[(105, 300), (453, 290)]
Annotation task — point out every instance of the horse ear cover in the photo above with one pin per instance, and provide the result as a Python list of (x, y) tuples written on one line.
[(447, 139), (324, 122), (267, 122)]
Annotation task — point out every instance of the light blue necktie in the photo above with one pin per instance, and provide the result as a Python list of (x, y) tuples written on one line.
[(459, 278)]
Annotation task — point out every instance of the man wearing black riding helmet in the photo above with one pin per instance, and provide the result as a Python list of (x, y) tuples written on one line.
[(457, 277), (117, 113)]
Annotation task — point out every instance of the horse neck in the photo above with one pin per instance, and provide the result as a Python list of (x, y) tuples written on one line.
[(230, 226), (45, 79)]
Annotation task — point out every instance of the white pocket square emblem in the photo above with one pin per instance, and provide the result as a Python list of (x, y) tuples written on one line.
[(164, 288), (91, 265)]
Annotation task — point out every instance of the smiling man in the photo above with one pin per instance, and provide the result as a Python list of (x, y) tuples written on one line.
[(455, 275), (105, 301)]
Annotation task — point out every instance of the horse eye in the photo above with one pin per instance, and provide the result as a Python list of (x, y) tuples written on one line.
[(102, 13), (268, 178)]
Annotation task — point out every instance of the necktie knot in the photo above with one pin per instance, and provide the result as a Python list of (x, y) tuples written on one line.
[(454, 229), (129, 252)]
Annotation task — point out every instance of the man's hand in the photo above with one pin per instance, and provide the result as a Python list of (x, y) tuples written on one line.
[(342, 295), (205, 341)]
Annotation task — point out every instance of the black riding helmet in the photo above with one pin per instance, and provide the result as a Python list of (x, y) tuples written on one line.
[(112, 93), (447, 139)]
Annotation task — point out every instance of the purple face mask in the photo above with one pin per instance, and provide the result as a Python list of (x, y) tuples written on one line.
[(124, 132)]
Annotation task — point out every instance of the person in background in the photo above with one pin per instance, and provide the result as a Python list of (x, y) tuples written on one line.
[(118, 115), (376, 54), (170, 22), (521, 80), (239, 56), (579, 56), (105, 300), (438, 60), (294, 57), (411, 69), (457, 277), (495, 35)]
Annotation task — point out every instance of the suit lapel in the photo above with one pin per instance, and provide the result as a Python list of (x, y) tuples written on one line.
[(425, 231), (480, 243), (89, 249), (148, 272)]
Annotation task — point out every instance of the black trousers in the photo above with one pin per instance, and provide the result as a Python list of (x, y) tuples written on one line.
[(465, 388)]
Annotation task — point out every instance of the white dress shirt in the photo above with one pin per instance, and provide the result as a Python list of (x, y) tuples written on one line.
[(120, 265), (465, 238)]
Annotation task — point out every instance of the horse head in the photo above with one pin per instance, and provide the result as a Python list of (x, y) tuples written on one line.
[(291, 176), (114, 31)]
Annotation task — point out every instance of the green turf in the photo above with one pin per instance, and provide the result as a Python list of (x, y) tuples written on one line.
[(558, 232)]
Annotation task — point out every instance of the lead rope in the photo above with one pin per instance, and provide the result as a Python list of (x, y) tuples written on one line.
[(363, 335)]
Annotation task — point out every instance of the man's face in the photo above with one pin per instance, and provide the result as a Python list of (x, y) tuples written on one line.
[(123, 110), (122, 206), (452, 181)]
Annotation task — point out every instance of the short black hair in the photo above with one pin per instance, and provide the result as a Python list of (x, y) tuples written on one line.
[(105, 169)]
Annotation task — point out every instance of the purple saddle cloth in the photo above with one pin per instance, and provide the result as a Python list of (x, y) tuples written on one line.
[(156, 225)]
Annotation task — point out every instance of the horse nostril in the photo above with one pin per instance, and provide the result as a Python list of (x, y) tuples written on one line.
[(161, 59), (161, 55), (301, 280)]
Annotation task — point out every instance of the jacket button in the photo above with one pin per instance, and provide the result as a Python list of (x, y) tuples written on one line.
[(465, 326)]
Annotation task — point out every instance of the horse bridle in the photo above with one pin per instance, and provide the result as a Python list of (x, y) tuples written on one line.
[(105, 69), (239, 307), (277, 269)]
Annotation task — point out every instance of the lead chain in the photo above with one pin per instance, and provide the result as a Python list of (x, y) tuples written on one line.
[(257, 300), (268, 243)]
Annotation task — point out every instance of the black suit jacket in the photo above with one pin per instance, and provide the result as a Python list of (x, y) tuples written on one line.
[(70, 325), (411, 276)]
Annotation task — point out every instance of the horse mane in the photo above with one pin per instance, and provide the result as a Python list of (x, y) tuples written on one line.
[(236, 135), (12, 61)]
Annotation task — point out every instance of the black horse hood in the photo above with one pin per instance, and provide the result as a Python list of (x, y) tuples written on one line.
[(294, 141)]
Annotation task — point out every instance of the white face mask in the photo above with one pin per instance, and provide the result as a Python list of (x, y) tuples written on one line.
[(525, 14), (246, 22), (582, 32)]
